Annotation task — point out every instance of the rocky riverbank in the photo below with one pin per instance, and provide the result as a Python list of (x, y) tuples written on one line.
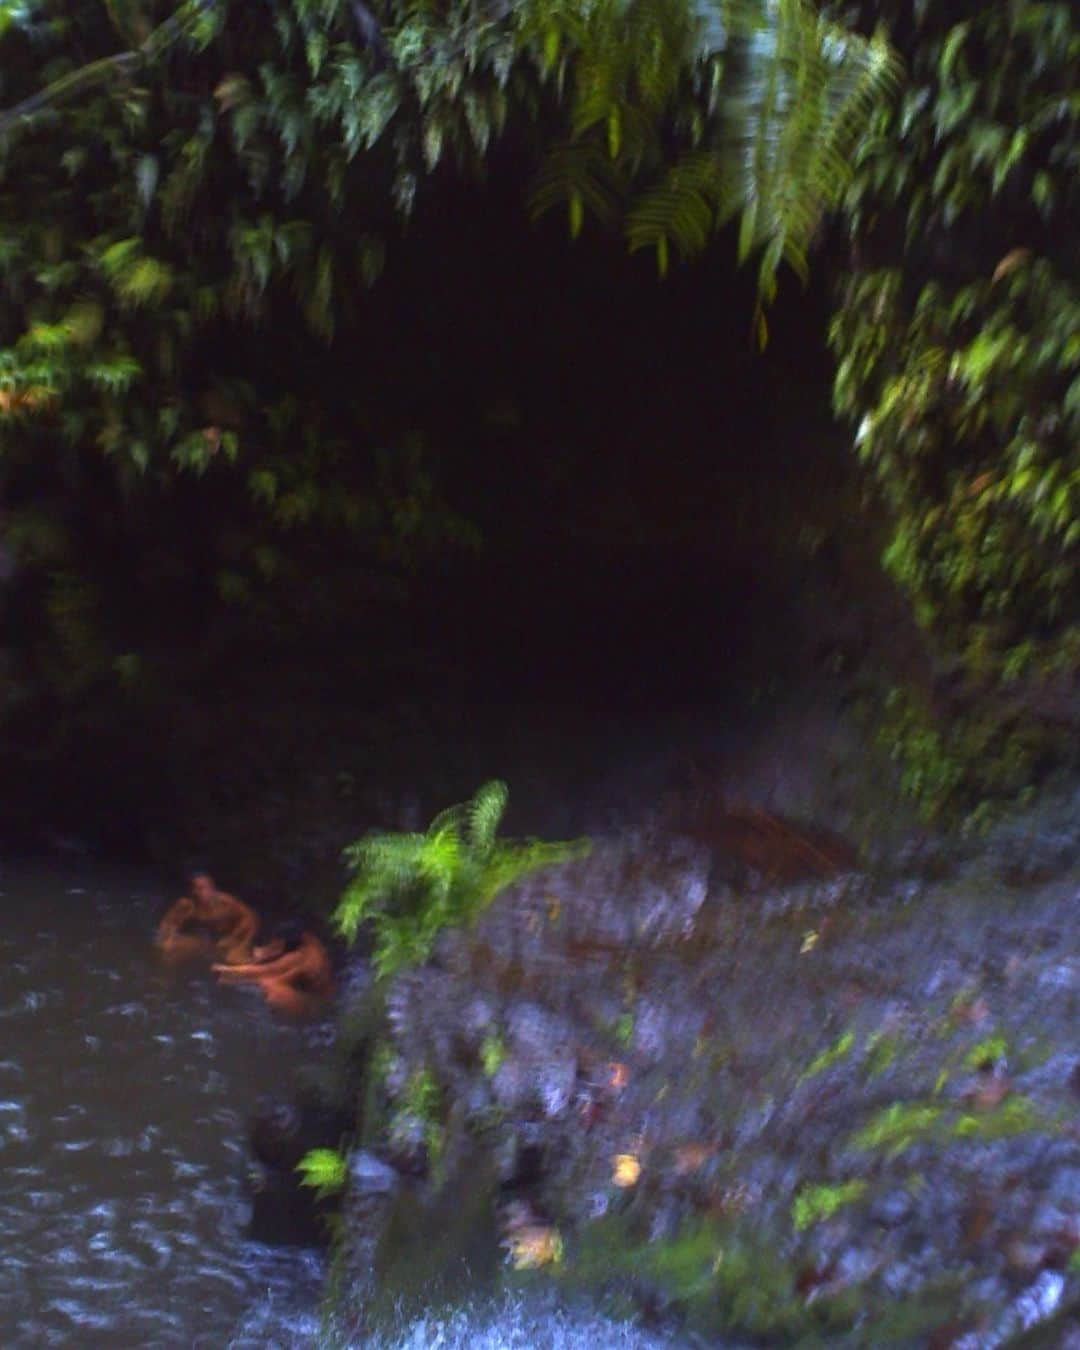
[(742, 1105)]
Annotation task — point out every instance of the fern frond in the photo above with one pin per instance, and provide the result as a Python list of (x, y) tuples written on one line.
[(774, 95), (485, 812), (581, 176), (682, 210), (412, 886)]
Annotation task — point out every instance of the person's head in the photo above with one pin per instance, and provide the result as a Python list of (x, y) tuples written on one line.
[(202, 886)]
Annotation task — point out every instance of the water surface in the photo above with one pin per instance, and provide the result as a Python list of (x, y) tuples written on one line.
[(125, 1090)]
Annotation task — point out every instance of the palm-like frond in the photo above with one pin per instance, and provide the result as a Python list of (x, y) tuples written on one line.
[(798, 101), (771, 96), (485, 812), (412, 886)]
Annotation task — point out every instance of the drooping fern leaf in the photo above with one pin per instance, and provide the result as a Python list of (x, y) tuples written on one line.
[(771, 96)]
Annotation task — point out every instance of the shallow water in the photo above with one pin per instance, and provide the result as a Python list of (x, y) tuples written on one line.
[(125, 1090)]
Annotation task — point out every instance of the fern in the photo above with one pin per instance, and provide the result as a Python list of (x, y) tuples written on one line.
[(485, 811), (773, 99), (325, 1170), (410, 887)]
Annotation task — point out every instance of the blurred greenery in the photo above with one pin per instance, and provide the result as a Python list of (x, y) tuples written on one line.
[(325, 1170), (196, 200), (957, 336), (412, 886)]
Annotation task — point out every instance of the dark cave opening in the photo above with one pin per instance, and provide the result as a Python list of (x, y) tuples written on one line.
[(653, 501)]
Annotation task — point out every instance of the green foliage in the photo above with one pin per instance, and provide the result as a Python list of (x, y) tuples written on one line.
[(492, 1053), (929, 773), (177, 180), (959, 363), (421, 1104), (991, 1050), (1016, 1115), (721, 1277), (835, 1052), (900, 1126), (422, 1097), (955, 768), (325, 1170), (412, 886), (815, 1203), (895, 1128), (882, 1048), (704, 115), (251, 157)]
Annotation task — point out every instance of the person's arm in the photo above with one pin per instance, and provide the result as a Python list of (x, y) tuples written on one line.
[(279, 967), (247, 924), (239, 973), (175, 917)]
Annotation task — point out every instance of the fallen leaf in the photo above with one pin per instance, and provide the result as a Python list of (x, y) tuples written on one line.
[(626, 1171), (531, 1248)]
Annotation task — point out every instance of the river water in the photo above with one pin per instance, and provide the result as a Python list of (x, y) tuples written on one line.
[(125, 1090)]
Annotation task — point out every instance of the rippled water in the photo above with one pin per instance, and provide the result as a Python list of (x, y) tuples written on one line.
[(124, 1094)]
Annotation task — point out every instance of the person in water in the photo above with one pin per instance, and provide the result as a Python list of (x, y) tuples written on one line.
[(208, 916), (292, 969)]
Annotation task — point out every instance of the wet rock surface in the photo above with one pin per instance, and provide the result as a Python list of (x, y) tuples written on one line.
[(846, 1106), (283, 1211)]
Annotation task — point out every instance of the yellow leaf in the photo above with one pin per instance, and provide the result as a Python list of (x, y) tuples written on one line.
[(535, 1246), (627, 1170)]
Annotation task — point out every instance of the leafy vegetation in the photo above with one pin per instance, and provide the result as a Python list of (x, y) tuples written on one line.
[(900, 1126), (177, 180), (492, 1053), (959, 365), (412, 886), (814, 1203), (325, 1170), (721, 1277), (832, 1055), (896, 1127)]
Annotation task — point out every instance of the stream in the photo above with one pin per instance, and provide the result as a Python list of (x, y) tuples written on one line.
[(125, 1091)]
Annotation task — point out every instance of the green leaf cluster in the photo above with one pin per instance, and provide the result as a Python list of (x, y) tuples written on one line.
[(412, 886), (957, 338), (178, 179), (325, 1170), (235, 159), (818, 1202), (684, 118)]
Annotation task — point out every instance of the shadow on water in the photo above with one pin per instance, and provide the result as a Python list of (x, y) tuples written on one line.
[(125, 1091)]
